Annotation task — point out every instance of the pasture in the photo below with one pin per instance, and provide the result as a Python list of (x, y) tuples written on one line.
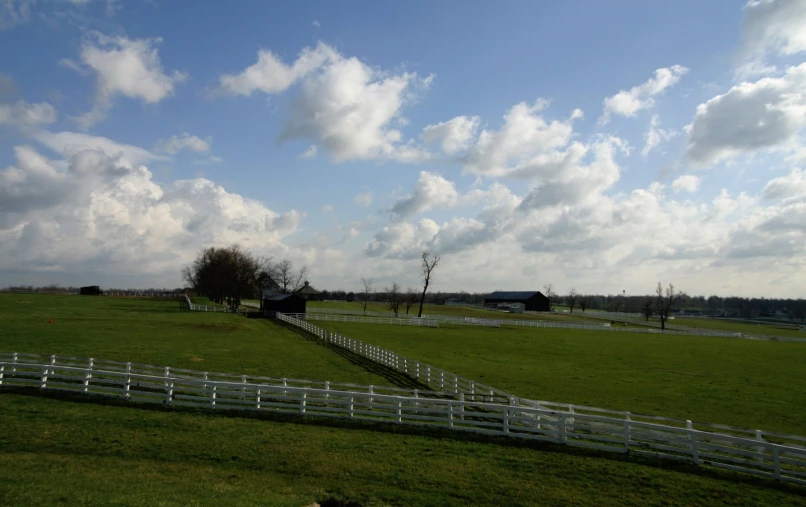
[(69, 450)]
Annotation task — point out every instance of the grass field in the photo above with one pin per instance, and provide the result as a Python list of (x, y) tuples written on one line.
[(744, 383), (60, 450), (740, 327)]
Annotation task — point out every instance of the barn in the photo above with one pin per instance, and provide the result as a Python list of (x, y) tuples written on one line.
[(91, 290), (284, 303), (533, 301)]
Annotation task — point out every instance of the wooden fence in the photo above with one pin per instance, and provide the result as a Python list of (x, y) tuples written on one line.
[(151, 384)]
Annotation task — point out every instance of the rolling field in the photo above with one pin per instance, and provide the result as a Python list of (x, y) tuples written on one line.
[(67, 450), (743, 383)]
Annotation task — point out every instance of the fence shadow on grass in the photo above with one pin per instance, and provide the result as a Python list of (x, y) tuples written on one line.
[(414, 431), (395, 377)]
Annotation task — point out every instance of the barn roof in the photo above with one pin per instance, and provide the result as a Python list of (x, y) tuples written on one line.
[(513, 295), (307, 290), (280, 297)]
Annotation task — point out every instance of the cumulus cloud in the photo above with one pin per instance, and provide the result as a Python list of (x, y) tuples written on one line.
[(783, 187), (453, 135), (175, 144), (655, 136), (123, 67), (629, 102), (402, 240), (364, 198), (686, 183), (271, 75), (92, 212), (69, 144), (751, 116), (773, 26), (26, 115), (431, 191)]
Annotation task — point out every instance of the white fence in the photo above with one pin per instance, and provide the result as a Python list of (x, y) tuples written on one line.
[(150, 384), (366, 320)]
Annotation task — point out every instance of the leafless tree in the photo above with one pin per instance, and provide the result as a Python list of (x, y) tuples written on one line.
[(427, 267), (287, 278), (364, 296), (394, 295), (583, 302), (409, 299), (550, 294), (665, 300), (646, 309), (571, 299)]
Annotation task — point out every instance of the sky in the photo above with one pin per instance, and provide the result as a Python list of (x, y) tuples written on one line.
[(596, 146)]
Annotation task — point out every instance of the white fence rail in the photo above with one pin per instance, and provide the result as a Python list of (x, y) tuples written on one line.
[(767, 459), (366, 320), (441, 380)]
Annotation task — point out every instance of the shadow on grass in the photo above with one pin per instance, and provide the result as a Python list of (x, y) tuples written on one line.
[(395, 377), (430, 432)]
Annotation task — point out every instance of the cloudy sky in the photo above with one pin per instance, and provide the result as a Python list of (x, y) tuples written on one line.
[(601, 146)]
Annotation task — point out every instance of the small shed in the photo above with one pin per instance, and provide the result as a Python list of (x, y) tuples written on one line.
[(90, 290), (284, 303)]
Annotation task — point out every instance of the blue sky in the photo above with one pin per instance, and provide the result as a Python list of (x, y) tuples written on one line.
[(591, 145)]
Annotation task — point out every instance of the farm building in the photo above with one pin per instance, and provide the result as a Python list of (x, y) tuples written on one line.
[(90, 290), (533, 301), (308, 293), (284, 303)]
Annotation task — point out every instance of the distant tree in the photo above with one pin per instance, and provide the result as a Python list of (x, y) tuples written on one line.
[(427, 267), (287, 278), (584, 301), (665, 300), (409, 299), (571, 300), (646, 309), (363, 297), (550, 294), (394, 296), (225, 274)]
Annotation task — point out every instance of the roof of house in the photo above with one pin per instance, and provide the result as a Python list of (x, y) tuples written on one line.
[(515, 295), (279, 297), (307, 289)]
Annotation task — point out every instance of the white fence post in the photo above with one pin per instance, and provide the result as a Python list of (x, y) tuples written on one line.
[(692, 434), (44, 379), (169, 393), (506, 420), (327, 388), (303, 402), (399, 410), (212, 397), (14, 362), (257, 398), (127, 383), (352, 401), (462, 406), (627, 431)]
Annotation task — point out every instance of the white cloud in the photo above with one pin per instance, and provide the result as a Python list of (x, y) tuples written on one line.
[(69, 144), (686, 183), (629, 102), (765, 114), (773, 26), (14, 12), (271, 75), (123, 66), (316, 23), (347, 109), (175, 144), (309, 153), (783, 187), (26, 115), (327, 208), (655, 136), (93, 213), (431, 191), (363, 199), (454, 135)]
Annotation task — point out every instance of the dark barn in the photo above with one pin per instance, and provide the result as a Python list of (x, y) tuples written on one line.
[(90, 290), (284, 303), (534, 301)]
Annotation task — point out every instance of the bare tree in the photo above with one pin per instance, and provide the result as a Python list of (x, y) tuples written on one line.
[(394, 295), (646, 309), (583, 302), (571, 299), (409, 299), (666, 299), (364, 296), (550, 294), (427, 267), (287, 278)]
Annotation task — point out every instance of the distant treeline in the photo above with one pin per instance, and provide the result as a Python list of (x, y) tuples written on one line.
[(58, 289)]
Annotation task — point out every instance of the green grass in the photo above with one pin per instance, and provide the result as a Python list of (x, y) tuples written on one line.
[(744, 383), (156, 332), (63, 450)]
